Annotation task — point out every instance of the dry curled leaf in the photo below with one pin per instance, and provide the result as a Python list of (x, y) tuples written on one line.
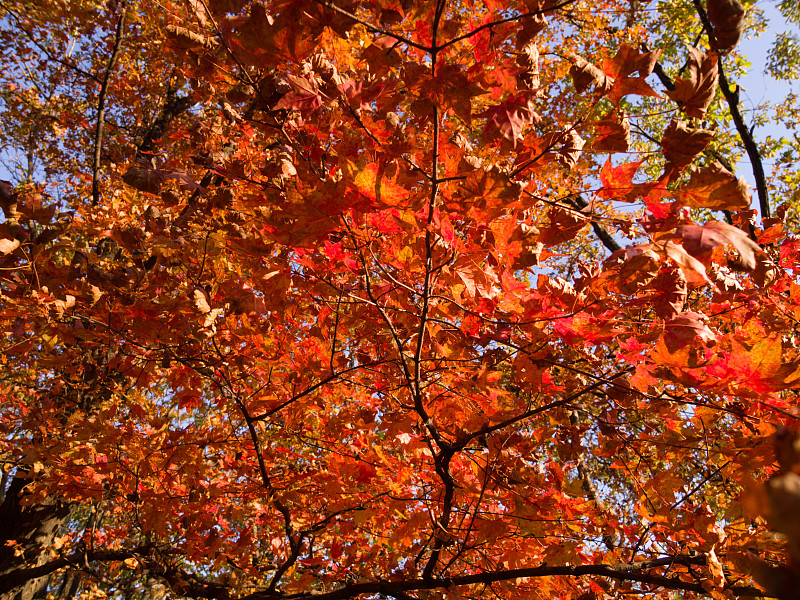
[(727, 17), (685, 329), (584, 74), (185, 39), (641, 266), (509, 118), (715, 187), (766, 271), (529, 60), (695, 93), (8, 246), (672, 289), (570, 152), (681, 143), (200, 301)]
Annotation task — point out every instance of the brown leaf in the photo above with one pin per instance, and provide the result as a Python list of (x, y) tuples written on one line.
[(584, 74), (199, 10), (200, 300), (641, 266), (207, 320), (695, 93), (681, 143), (692, 268), (727, 17), (529, 60), (672, 289), (685, 329), (570, 152), (700, 240), (143, 179), (149, 180), (715, 187), (61, 306), (8, 246), (530, 26), (723, 279), (613, 133), (184, 39)]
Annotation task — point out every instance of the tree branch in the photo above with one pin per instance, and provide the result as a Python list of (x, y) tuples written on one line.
[(17, 577), (174, 106), (601, 232), (101, 107), (371, 27), (636, 572), (732, 98)]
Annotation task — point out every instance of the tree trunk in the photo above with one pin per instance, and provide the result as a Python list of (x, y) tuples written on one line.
[(32, 529)]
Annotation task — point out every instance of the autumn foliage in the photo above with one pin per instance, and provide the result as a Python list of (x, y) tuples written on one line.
[(379, 298)]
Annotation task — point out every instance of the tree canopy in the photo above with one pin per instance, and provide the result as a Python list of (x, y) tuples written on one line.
[(392, 299)]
